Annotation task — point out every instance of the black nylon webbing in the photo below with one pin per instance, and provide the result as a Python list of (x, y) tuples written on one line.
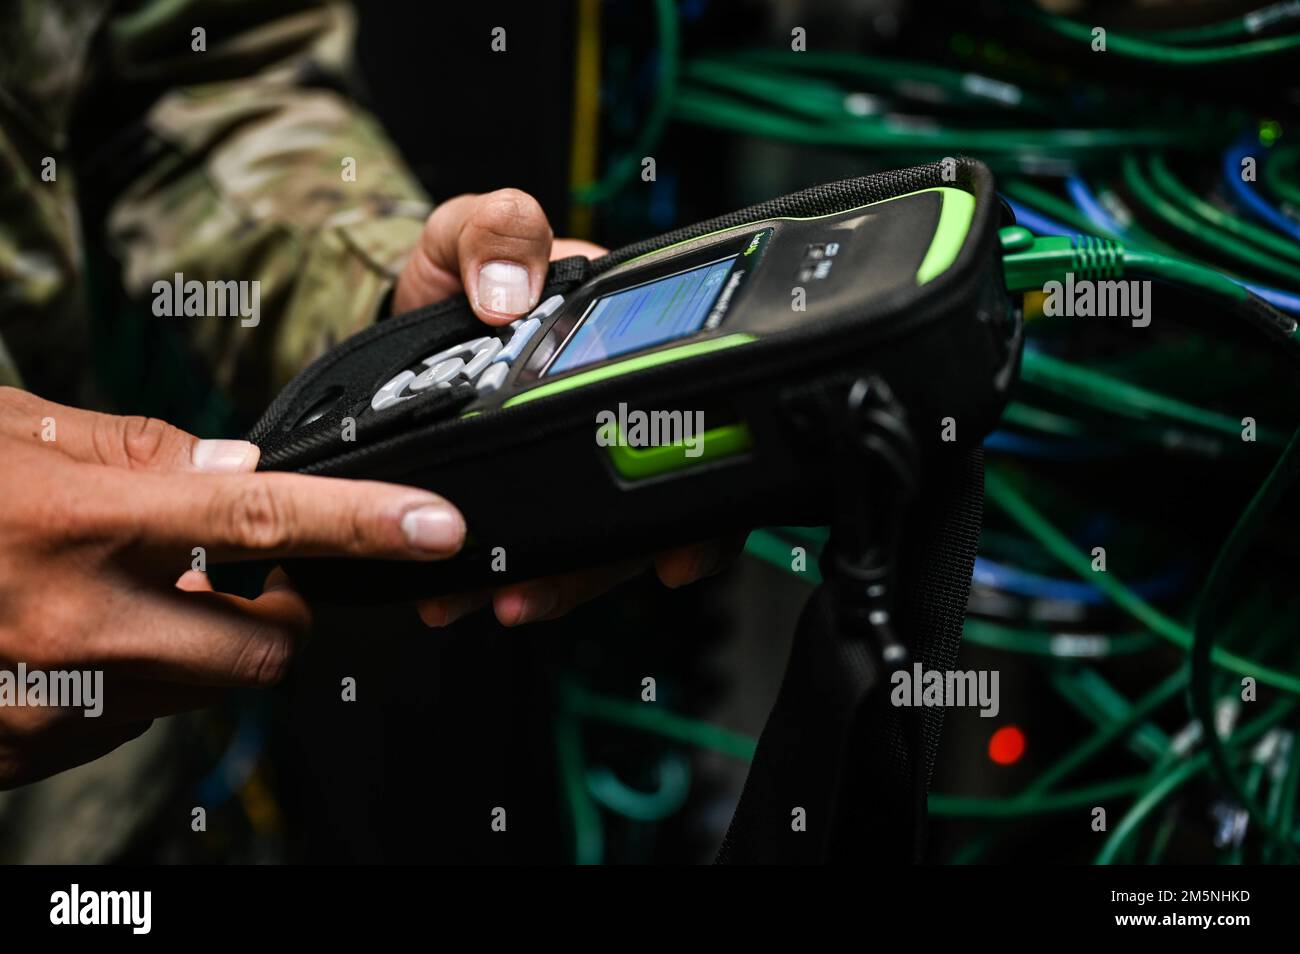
[(833, 746)]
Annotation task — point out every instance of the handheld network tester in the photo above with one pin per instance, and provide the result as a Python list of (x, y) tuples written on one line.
[(750, 320)]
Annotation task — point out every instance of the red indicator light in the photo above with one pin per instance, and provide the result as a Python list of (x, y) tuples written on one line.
[(1007, 745)]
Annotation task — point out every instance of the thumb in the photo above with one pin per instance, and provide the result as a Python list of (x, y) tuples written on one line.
[(494, 246)]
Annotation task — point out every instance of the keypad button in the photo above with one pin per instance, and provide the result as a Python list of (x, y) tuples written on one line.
[(482, 358), (523, 334), (463, 350), (547, 308), (491, 379), (391, 393), (453, 365), (440, 373)]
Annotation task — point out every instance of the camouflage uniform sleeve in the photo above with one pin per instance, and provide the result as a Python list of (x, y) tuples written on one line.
[(42, 327), (255, 165)]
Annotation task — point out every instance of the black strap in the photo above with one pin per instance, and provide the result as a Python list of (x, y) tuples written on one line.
[(569, 271), (833, 746)]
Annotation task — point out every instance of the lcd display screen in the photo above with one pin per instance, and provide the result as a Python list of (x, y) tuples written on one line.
[(645, 315)]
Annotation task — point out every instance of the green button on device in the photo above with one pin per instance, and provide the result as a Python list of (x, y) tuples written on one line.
[(638, 463)]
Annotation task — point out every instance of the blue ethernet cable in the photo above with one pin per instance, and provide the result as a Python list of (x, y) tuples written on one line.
[(1086, 201), (1247, 197)]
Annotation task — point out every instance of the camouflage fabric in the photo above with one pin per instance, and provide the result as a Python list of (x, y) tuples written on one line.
[(225, 163), (213, 139)]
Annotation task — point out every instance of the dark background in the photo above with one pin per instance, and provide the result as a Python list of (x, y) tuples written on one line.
[(449, 724)]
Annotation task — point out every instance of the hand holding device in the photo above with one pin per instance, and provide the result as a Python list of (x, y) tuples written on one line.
[(103, 515), (740, 325)]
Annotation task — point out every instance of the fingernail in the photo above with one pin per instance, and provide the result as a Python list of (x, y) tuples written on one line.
[(537, 604), (439, 613), (225, 457), (434, 614), (433, 527), (503, 287), (192, 580)]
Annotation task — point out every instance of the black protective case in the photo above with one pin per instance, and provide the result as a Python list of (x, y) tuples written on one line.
[(530, 479)]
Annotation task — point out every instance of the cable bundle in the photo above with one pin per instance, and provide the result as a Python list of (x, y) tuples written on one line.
[(1170, 448)]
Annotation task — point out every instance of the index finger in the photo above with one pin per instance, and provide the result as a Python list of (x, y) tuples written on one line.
[(267, 516)]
